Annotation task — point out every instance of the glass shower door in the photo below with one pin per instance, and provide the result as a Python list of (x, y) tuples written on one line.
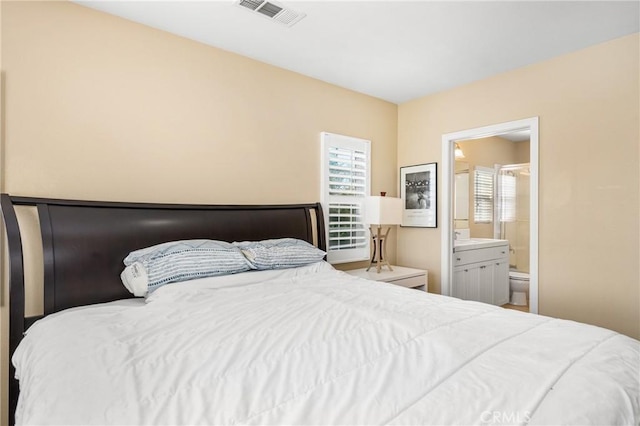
[(512, 212)]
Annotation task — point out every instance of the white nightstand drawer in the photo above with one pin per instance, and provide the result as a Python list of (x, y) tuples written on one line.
[(406, 277), (417, 281)]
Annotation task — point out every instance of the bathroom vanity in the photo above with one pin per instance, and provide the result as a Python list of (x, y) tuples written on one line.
[(481, 270)]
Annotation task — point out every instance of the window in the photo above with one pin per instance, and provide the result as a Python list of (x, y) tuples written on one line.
[(345, 182), (483, 195)]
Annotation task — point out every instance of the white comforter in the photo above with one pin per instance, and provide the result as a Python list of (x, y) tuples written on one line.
[(317, 346)]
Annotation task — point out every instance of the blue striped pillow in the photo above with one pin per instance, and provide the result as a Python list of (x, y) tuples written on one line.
[(280, 253), (186, 260)]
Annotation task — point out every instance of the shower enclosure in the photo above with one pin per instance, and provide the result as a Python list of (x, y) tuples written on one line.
[(511, 221)]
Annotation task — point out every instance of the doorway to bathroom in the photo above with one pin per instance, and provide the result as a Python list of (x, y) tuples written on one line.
[(490, 196)]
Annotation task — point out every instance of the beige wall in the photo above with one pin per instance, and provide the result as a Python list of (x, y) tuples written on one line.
[(588, 106), (523, 150), (98, 107)]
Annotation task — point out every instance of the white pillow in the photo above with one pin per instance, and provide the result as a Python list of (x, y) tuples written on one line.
[(135, 279)]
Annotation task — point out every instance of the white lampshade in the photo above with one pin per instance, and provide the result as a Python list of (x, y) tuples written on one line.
[(382, 211)]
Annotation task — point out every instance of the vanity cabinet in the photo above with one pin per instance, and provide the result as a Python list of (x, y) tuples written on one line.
[(481, 274)]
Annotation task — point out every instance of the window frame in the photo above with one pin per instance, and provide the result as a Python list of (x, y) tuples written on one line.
[(327, 199)]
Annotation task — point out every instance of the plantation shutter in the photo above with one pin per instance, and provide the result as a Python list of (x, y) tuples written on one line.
[(483, 195), (345, 183)]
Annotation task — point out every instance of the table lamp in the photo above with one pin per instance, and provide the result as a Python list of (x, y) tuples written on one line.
[(379, 212)]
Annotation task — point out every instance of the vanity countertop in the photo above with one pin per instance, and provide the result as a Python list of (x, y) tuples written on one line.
[(476, 243)]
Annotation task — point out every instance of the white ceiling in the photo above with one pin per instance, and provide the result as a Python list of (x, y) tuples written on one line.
[(393, 50), (517, 136)]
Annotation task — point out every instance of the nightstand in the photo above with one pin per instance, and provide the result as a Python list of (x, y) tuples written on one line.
[(406, 277)]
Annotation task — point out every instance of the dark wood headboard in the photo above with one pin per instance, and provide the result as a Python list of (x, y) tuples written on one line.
[(84, 243)]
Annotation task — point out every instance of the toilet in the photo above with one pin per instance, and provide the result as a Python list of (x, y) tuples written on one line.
[(518, 288)]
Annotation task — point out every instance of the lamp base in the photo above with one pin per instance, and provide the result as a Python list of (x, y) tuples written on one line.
[(379, 249)]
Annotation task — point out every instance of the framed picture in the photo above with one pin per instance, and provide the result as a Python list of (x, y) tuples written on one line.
[(418, 193)]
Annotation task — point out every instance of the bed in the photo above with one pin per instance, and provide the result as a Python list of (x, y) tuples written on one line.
[(303, 345)]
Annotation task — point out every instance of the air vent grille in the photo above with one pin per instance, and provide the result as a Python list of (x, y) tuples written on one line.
[(269, 9), (288, 17), (251, 4), (272, 11)]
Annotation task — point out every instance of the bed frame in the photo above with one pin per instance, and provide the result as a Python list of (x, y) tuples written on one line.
[(84, 243)]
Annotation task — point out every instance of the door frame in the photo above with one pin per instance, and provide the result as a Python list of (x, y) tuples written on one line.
[(448, 176)]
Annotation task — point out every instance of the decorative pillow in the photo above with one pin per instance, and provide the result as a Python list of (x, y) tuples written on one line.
[(152, 267), (280, 253)]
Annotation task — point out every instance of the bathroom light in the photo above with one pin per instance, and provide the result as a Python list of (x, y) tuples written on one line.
[(458, 152)]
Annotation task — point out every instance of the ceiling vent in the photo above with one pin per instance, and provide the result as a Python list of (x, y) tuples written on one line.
[(273, 11)]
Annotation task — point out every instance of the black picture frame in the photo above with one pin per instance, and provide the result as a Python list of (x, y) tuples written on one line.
[(418, 191)]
